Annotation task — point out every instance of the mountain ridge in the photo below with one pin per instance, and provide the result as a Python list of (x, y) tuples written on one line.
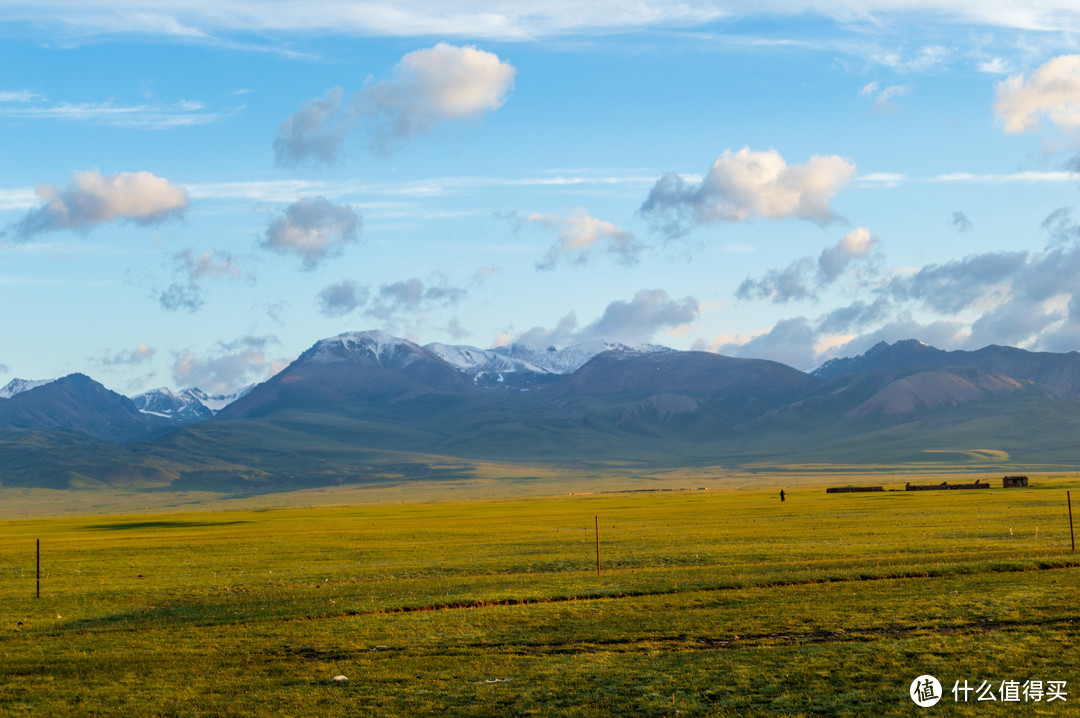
[(360, 395)]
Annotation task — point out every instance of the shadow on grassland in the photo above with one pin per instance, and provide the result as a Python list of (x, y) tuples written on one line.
[(126, 525)]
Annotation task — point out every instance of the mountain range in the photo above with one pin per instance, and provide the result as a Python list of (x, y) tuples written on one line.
[(366, 406)]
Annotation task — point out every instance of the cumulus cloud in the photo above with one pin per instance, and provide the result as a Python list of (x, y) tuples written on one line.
[(141, 354), (856, 244), (802, 279), (806, 343), (954, 286), (1052, 93), (228, 366), (315, 132), (427, 88), (412, 295), (342, 298), (790, 341), (794, 282), (855, 316), (960, 222), (635, 321), (641, 318), (579, 233), (561, 335), (746, 184), (314, 229), (944, 334), (91, 199), (1026, 299)]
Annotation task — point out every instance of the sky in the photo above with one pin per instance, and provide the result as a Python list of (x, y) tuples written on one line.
[(193, 193)]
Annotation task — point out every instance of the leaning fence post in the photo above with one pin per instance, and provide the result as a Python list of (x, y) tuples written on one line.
[(1072, 536), (39, 568)]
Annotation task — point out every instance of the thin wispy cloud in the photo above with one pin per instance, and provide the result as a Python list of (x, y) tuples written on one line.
[(881, 96), (504, 19), (145, 116)]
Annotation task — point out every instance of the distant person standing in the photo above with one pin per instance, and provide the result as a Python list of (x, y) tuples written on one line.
[(781, 496)]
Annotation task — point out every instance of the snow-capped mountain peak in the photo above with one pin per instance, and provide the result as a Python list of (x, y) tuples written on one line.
[(18, 386), (379, 346), (185, 406), (517, 364)]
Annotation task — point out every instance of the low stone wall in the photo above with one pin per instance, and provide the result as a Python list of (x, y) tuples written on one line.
[(944, 486)]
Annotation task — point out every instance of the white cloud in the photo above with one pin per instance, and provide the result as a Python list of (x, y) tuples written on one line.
[(19, 96), (141, 354), (195, 20), (342, 298), (996, 66), (399, 298), (91, 199), (635, 321), (833, 261), (804, 277), (1052, 92), (440, 84), (228, 366), (211, 263), (579, 233), (185, 113), (746, 184), (436, 85), (313, 228), (1027, 177), (190, 268), (880, 96)]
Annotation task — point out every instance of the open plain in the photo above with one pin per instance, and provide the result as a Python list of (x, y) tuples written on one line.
[(709, 601)]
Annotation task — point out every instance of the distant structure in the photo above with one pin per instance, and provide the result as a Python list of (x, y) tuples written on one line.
[(1014, 482), (944, 486), (850, 489)]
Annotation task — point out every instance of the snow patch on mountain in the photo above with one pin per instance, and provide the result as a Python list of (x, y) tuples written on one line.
[(377, 346), (18, 386), (188, 405), (493, 365), (573, 357)]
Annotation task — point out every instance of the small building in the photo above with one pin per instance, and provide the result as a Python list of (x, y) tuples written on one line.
[(852, 489), (1014, 482)]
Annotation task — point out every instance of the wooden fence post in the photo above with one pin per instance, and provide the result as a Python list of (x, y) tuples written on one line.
[(597, 519)]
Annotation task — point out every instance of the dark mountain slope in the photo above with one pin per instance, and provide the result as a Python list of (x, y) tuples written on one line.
[(77, 402)]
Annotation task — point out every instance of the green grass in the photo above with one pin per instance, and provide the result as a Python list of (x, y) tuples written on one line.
[(709, 603)]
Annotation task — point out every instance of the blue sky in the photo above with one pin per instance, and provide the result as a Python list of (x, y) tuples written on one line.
[(193, 193)]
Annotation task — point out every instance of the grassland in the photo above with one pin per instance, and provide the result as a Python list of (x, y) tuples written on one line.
[(722, 602)]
